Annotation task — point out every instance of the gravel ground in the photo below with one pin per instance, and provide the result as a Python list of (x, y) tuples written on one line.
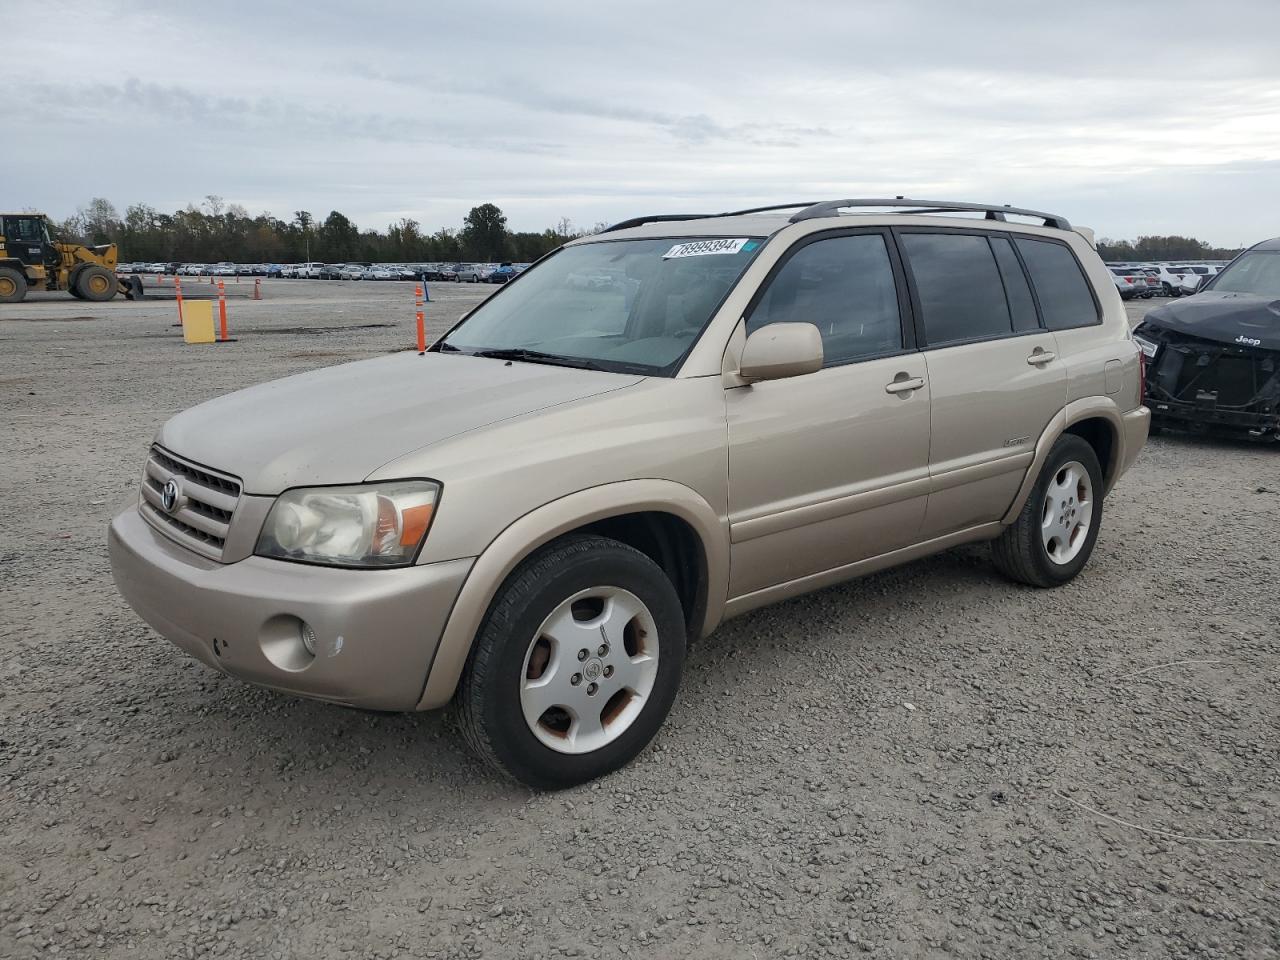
[(929, 762)]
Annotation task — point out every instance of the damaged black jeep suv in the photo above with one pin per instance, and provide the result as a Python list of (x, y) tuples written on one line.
[(1213, 360)]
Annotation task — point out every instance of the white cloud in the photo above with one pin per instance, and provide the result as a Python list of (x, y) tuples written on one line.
[(1154, 117)]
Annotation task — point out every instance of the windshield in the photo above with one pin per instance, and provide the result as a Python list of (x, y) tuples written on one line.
[(1255, 273), (622, 305)]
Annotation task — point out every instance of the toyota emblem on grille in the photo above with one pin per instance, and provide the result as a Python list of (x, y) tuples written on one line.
[(169, 496)]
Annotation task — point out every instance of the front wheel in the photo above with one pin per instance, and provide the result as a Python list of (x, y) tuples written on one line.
[(1054, 535), (95, 283), (576, 665)]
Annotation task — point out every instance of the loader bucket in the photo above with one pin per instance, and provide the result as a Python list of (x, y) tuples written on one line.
[(132, 288)]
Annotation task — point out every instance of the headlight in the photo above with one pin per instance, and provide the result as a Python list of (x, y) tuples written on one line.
[(370, 525)]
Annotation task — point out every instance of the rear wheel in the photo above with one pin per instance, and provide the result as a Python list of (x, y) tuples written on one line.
[(13, 285), (1054, 535), (576, 665), (95, 283)]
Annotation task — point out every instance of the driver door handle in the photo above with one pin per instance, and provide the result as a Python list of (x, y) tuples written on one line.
[(904, 386), (1039, 357)]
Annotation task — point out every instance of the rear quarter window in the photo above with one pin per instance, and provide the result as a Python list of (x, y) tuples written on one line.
[(1066, 300)]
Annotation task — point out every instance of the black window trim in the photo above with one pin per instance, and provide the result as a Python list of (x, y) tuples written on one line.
[(1084, 274), (1012, 237), (906, 319)]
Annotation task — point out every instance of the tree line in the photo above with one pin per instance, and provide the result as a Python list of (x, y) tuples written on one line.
[(217, 231), (1162, 248)]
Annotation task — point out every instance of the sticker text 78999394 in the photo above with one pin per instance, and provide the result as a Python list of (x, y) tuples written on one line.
[(703, 248)]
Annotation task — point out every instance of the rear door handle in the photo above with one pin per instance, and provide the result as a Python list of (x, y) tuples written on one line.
[(904, 386), (1039, 357)]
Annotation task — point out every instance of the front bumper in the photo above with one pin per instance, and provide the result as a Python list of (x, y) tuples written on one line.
[(376, 631)]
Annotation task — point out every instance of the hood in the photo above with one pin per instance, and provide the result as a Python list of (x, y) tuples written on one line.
[(339, 424), (1225, 317)]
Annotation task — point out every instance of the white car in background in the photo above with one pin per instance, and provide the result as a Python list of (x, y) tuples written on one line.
[(352, 271), (309, 271), (1199, 275)]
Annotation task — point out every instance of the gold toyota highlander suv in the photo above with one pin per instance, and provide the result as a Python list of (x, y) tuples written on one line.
[(653, 429)]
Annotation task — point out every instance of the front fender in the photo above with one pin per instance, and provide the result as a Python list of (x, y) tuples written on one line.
[(552, 520)]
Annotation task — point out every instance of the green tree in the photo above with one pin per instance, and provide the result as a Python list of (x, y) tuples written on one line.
[(484, 233), (338, 237)]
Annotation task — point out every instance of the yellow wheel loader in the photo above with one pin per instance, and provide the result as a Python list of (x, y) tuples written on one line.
[(32, 258)]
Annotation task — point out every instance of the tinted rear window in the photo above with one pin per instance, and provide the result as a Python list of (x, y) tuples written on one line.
[(1065, 298), (961, 294)]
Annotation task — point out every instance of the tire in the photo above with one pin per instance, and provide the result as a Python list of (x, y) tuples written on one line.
[(539, 600), (1023, 551), (13, 285), (95, 283)]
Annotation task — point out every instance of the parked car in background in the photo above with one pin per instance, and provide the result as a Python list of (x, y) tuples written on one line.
[(352, 271), (474, 272), (1197, 276), (1170, 277), (222, 270), (310, 271), (1144, 286), (331, 271), (507, 271), (1127, 288), (502, 273), (413, 530)]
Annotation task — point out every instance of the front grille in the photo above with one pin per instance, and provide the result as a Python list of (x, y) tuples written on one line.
[(1191, 370), (206, 502)]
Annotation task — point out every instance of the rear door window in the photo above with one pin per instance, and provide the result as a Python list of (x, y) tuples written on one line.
[(1066, 300), (959, 287)]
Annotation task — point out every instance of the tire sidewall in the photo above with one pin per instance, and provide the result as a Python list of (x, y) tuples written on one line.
[(513, 742), (1067, 449)]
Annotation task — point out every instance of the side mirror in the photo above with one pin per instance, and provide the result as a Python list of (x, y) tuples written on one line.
[(780, 350)]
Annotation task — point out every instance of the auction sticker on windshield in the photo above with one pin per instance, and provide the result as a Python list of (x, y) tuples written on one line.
[(703, 248)]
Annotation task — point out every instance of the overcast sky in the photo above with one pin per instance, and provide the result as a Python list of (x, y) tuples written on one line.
[(1130, 117)]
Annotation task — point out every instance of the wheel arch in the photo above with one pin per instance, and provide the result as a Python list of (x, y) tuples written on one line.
[(1096, 420), (658, 517)]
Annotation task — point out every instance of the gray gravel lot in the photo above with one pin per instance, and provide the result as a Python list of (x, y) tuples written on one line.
[(924, 763)]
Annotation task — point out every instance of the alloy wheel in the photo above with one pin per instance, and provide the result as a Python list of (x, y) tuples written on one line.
[(589, 670), (1067, 512)]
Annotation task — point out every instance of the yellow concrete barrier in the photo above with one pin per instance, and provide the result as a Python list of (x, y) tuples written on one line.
[(197, 321)]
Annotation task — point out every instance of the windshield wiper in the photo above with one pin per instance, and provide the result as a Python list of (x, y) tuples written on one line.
[(537, 356)]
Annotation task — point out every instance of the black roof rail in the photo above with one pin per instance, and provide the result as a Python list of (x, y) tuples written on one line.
[(665, 217), (775, 206), (829, 208), (655, 218)]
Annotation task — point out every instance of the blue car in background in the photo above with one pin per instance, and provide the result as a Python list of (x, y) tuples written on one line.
[(507, 271)]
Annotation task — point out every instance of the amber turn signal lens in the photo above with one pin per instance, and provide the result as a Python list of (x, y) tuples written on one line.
[(415, 520)]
